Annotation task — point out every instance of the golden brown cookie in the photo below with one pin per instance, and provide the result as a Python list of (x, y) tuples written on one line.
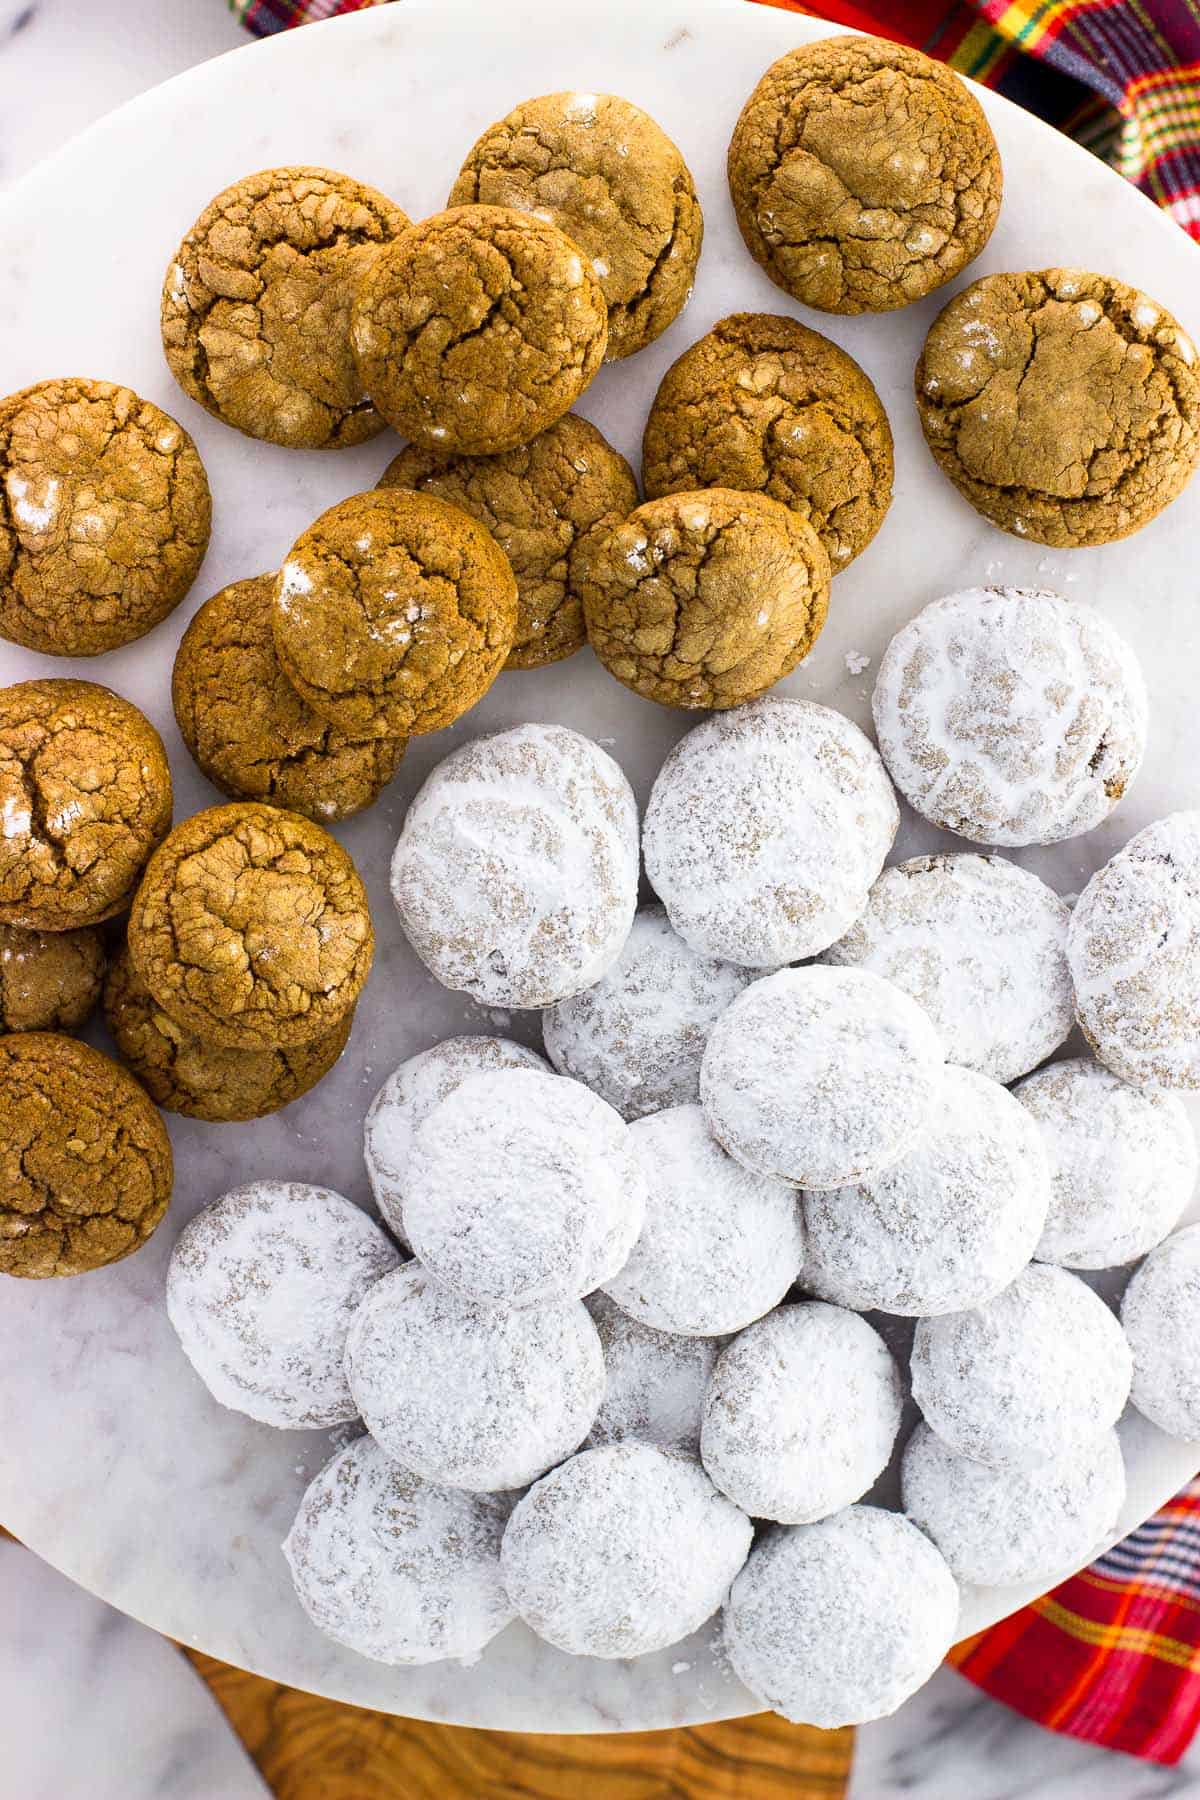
[(478, 328), (49, 980), (394, 613), (104, 516), (85, 1161), (763, 404), (251, 928), (256, 305), (863, 174), (705, 599), (600, 169), (1065, 406), (186, 1074), (248, 728), (539, 501), (85, 795)]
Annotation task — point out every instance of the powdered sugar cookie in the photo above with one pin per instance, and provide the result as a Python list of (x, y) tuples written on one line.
[(1159, 1313), (655, 1381)]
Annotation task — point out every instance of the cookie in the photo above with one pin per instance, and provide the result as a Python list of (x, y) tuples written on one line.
[(765, 405), (1158, 1313), (49, 980), (1065, 406), (251, 928), (600, 169), (85, 795), (705, 599), (540, 502), (247, 727), (256, 305), (863, 174), (393, 614), (104, 516), (85, 1162), (478, 328)]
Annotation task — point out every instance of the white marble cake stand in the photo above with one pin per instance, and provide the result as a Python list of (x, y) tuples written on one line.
[(114, 1463)]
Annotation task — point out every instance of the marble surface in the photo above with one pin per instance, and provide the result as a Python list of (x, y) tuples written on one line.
[(117, 1467)]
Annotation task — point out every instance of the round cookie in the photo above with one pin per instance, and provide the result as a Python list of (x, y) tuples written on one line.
[(637, 1037), (186, 1074), (1010, 715), (85, 1162), (1033, 1376), (104, 516), (704, 599), (540, 502), (765, 830), (600, 169), (251, 928), (654, 1381), (765, 405), (1134, 951), (247, 727), (478, 328), (1065, 406), (801, 1413), (622, 1551), (477, 1397), (950, 1224), (516, 872), (85, 795), (1159, 1316), (49, 980), (837, 1623), (1123, 1163), (393, 614), (256, 305), (863, 174), (980, 944), (396, 1567), (261, 1289), (822, 1076)]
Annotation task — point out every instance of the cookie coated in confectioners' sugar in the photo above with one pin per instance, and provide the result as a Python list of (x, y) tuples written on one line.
[(1159, 1314), (516, 872), (980, 944), (1011, 715), (765, 829), (395, 1567), (49, 980), (655, 1381), (622, 1551), (950, 1224)]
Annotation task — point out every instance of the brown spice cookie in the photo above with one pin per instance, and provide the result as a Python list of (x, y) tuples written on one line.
[(186, 1074), (478, 328), (85, 795), (763, 404), (539, 502), (251, 928), (863, 174), (394, 613), (600, 169), (248, 728), (49, 980), (85, 1161), (1065, 406), (705, 599), (104, 516), (256, 305)]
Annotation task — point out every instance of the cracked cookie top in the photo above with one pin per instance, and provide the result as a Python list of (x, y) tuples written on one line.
[(85, 1161), (600, 169), (85, 795), (251, 928), (104, 516), (256, 305), (765, 405), (49, 980), (705, 599), (1065, 406), (248, 728), (863, 174), (477, 328), (540, 502)]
